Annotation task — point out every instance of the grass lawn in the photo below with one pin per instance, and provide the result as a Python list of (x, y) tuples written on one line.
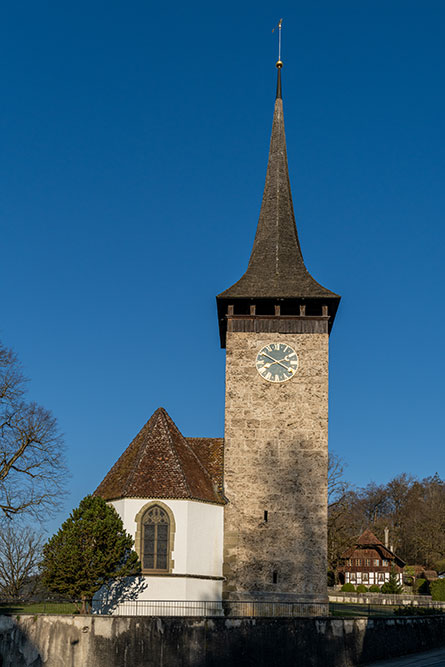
[(351, 609), (38, 608)]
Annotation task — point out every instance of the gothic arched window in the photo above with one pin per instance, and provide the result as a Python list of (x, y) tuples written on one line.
[(155, 539)]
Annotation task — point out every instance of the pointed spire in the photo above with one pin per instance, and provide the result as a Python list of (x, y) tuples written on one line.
[(276, 268)]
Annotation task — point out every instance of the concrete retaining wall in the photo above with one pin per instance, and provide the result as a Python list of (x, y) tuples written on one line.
[(91, 641)]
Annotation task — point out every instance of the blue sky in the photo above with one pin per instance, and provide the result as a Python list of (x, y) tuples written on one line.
[(134, 141)]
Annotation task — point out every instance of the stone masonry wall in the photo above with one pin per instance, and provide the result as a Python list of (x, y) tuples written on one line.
[(91, 641), (275, 460)]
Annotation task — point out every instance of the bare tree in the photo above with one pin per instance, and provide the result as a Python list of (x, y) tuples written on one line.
[(427, 525), (341, 525), (32, 466), (337, 485), (20, 552), (414, 511), (374, 502)]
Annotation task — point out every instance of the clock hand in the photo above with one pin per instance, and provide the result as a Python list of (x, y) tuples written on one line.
[(286, 368), (275, 361), (266, 355), (283, 359)]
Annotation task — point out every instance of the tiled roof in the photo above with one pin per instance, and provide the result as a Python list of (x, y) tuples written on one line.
[(210, 452), (161, 463)]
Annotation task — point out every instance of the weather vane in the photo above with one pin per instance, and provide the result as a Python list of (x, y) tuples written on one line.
[(279, 63)]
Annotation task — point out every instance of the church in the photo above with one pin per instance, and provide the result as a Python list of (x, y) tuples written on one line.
[(244, 517)]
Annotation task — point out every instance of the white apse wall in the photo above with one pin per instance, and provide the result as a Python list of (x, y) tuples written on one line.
[(197, 551)]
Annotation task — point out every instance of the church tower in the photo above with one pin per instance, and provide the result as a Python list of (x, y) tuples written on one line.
[(275, 324)]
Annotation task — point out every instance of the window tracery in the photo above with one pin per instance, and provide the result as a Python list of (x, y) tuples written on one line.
[(156, 528)]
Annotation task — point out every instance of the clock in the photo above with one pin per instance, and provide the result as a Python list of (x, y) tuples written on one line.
[(277, 362)]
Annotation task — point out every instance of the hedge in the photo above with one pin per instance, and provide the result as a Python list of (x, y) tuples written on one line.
[(437, 589)]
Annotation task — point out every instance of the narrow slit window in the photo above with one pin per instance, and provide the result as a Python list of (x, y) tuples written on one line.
[(274, 577), (265, 516)]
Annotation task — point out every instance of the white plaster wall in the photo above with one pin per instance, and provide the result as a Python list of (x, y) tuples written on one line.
[(128, 509), (203, 589), (373, 578), (205, 539), (180, 588), (198, 549)]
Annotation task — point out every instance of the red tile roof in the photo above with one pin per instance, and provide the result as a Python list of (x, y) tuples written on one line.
[(161, 463), (210, 452)]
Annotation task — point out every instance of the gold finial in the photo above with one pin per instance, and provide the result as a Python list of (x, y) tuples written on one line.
[(279, 64)]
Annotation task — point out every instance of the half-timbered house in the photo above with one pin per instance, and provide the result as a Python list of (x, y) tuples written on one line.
[(369, 562)]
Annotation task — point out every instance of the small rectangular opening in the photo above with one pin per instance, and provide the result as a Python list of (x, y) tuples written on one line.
[(274, 577), (265, 516)]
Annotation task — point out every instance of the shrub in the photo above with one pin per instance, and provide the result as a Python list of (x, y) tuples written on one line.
[(392, 586), (374, 588), (437, 589), (421, 587), (361, 588), (348, 588)]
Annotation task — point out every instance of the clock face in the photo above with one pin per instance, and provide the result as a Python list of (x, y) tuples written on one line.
[(277, 362)]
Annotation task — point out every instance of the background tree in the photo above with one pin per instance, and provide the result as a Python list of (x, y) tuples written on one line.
[(20, 552), (340, 523), (90, 548), (414, 511), (426, 520), (32, 467), (439, 565)]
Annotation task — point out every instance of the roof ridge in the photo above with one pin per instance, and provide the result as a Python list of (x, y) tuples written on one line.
[(174, 451), (141, 449), (190, 449)]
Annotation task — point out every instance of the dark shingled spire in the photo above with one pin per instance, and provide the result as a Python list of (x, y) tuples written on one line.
[(276, 267), (276, 283)]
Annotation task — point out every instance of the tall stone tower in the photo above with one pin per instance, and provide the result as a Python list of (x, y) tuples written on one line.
[(275, 324)]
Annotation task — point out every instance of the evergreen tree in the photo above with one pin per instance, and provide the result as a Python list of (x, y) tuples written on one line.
[(392, 585), (90, 548)]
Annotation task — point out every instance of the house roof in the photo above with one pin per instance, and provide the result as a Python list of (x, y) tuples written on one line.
[(276, 268), (368, 540), (161, 463)]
